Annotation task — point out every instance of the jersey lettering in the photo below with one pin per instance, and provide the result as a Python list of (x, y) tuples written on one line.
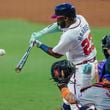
[(87, 45), (84, 29)]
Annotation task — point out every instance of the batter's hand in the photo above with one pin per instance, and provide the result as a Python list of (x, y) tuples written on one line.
[(37, 43), (34, 37)]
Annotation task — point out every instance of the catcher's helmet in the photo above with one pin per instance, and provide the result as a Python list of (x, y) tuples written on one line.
[(64, 9), (106, 45), (61, 71)]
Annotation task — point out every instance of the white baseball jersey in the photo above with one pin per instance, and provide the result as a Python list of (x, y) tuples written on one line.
[(76, 42)]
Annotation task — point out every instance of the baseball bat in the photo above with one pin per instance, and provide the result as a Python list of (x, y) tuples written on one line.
[(23, 60)]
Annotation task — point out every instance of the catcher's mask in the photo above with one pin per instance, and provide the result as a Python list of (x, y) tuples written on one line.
[(106, 45), (62, 71)]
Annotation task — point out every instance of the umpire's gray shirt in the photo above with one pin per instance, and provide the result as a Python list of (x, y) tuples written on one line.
[(98, 96)]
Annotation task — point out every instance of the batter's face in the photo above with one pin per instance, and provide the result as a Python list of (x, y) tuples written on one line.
[(61, 22)]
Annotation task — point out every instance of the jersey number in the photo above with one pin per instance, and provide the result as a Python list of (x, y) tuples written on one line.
[(87, 45)]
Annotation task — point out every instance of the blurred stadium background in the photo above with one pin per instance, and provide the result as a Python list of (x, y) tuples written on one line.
[(96, 11), (32, 89)]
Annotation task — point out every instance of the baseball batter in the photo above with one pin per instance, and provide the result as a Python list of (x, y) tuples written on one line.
[(47, 30), (76, 43)]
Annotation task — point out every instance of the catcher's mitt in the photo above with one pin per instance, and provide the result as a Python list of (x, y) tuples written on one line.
[(62, 71)]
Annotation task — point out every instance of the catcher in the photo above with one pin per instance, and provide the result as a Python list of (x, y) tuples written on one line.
[(94, 97), (61, 73)]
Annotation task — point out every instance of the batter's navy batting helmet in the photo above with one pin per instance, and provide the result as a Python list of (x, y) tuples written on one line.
[(106, 45), (64, 9)]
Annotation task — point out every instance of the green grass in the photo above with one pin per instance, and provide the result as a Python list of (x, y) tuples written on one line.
[(32, 89)]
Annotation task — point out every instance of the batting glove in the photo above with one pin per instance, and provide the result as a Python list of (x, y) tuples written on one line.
[(37, 43), (34, 37)]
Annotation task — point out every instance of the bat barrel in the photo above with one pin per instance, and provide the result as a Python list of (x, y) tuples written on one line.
[(23, 60), (17, 70)]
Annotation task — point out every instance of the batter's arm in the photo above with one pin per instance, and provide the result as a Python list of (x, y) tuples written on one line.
[(52, 28), (49, 51), (47, 30)]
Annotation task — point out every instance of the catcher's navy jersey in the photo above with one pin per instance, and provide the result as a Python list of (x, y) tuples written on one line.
[(101, 68)]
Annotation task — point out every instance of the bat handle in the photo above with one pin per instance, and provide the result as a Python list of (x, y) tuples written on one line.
[(31, 44)]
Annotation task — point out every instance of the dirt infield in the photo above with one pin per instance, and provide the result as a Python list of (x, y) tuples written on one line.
[(96, 11)]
